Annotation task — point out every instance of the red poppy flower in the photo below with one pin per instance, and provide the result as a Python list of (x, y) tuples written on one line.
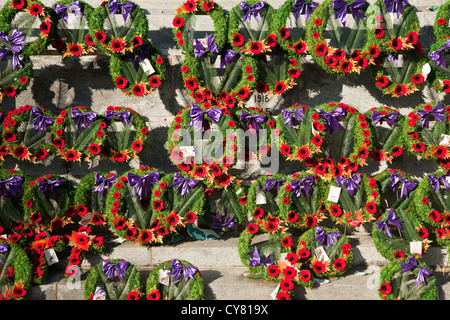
[(273, 270), (305, 275), (385, 288), (89, 41), (286, 285), (379, 32), (419, 147), (158, 205), (238, 40), (321, 49), (45, 27), (256, 47), (138, 90), (304, 253), (94, 148), (173, 219), (303, 153), (10, 91), (371, 207), (155, 82), (412, 37), (294, 73), (319, 266), (191, 217), (191, 84), (335, 210), (435, 216), (441, 21), (121, 82), (340, 264), (100, 36), (317, 22), (417, 79), (18, 4), (285, 33), (137, 146), (35, 9), (178, 22), (154, 294), (252, 228), (423, 233), (272, 40)]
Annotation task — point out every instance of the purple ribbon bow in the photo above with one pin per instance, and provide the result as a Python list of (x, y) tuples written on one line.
[(437, 55), (3, 249), (437, 111), (306, 183), (188, 271), (392, 219), (389, 117), (103, 182), (350, 183), (253, 119), (296, 114), (41, 122), (227, 57), (436, 180), (218, 223), (126, 7), (11, 186), (119, 267), (186, 184), (16, 43), (271, 183), (302, 7), (342, 7), (423, 273), (143, 185), (331, 118), (199, 48), (123, 115), (139, 54), (197, 113), (254, 10), (396, 6), (74, 7), (331, 237), (50, 187), (83, 118), (255, 259), (406, 184)]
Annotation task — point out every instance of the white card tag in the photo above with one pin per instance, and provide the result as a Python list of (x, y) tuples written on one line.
[(261, 198), (86, 219), (445, 140), (51, 256), (188, 151), (147, 67), (163, 277), (426, 69), (334, 194), (415, 247), (275, 292), (100, 294), (321, 254)]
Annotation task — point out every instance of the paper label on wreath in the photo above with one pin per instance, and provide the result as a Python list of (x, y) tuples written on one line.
[(334, 194), (48, 137), (188, 151), (239, 191), (163, 277), (321, 254), (444, 140), (86, 219), (261, 198), (314, 131), (275, 292), (415, 247), (147, 67), (100, 294), (51, 256), (426, 69)]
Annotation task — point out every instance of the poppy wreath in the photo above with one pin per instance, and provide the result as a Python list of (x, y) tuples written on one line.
[(440, 28), (112, 37), (26, 134), (439, 77), (425, 132), (400, 280), (432, 205), (15, 271), (181, 281), (113, 279), (128, 207), (72, 38), (132, 74), (36, 16), (395, 229), (15, 78), (386, 126), (328, 252), (199, 121), (341, 55), (126, 143), (358, 201), (77, 134), (300, 200), (47, 201)]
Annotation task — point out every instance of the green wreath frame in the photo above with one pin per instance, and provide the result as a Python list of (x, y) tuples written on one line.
[(439, 77), (270, 195), (440, 27), (17, 80)]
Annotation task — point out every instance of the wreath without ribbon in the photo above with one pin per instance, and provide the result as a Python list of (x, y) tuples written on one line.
[(15, 271), (175, 280), (127, 142), (72, 39), (396, 188), (400, 280), (345, 52), (394, 231), (27, 133), (109, 35), (140, 72), (33, 14), (439, 77), (14, 78), (386, 126), (441, 28), (78, 134), (113, 279)]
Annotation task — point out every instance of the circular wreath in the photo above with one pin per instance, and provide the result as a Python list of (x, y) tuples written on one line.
[(114, 39), (36, 12), (123, 145), (113, 279), (340, 55), (335, 245), (213, 170), (431, 204), (15, 270), (398, 282), (440, 28), (72, 40), (386, 126), (300, 200), (439, 77), (131, 72), (78, 134), (15, 79), (185, 282), (26, 133), (394, 231)]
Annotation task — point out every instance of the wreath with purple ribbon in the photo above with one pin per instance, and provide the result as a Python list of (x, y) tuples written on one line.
[(439, 76), (440, 27)]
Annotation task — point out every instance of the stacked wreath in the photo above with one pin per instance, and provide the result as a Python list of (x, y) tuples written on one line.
[(113, 279), (78, 134), (127, 143), (26, 133), (440, 28), (175, 280), (343, 55), (113, 38), (439, 76)]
